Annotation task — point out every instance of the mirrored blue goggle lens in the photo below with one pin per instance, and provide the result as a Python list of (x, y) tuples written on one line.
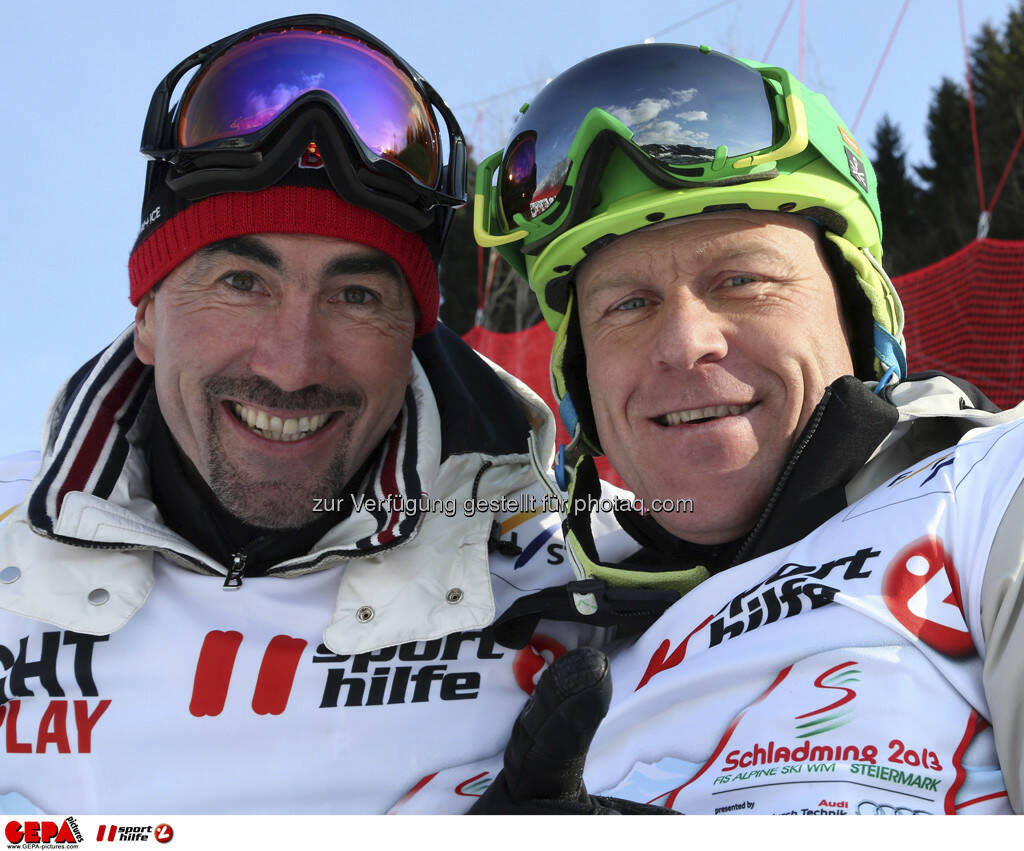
[(680, 103), (518, 180), (253, 82)]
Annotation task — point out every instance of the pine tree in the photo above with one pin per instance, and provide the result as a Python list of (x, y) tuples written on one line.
[(950, 198), (950, 202), (510, 305), (899, 198), (997, 69), (458, 271)]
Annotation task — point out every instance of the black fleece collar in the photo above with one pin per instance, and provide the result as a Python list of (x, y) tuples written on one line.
[(190, 509)]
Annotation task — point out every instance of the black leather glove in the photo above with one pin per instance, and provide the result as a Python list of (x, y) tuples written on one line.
[(545, 756)]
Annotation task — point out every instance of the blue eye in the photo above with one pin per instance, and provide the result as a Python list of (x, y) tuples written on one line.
[(633, 303), (740, 280)]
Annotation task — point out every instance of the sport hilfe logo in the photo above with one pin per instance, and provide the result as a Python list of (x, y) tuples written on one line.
[(365, 679), (921, 589), (533, 660), (135, 833)]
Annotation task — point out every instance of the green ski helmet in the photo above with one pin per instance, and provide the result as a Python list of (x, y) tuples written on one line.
[(653, 132)]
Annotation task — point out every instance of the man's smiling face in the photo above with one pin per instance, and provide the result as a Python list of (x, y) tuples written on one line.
[(709, 342), (281, 361)]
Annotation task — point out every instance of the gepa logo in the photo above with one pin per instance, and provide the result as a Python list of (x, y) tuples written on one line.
[(42, 833)]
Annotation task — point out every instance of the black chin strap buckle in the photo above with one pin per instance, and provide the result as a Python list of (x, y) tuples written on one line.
[(588, 601)]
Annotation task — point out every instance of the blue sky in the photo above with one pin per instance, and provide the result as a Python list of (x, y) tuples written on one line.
[(79, 82)]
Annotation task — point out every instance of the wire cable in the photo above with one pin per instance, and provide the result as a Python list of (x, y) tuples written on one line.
[(778, 30), (970, 101), (534, 85), (1006, 171), (707, 11), (803, 27), (881, 62)]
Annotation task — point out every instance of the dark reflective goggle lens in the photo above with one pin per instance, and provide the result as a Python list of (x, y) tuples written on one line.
[(681, 103), (244, 89)]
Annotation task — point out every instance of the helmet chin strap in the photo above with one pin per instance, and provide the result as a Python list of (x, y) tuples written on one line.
[(887, 310), (576, 508), (584, 498)]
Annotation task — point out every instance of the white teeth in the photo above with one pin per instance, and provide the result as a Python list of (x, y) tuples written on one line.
[(274, 428), (714, 412)]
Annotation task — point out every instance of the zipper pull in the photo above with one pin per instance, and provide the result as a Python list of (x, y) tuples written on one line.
[(233, 581)]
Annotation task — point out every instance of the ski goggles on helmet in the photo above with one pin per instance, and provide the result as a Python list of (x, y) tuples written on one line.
[(684, 117), (250, 89)]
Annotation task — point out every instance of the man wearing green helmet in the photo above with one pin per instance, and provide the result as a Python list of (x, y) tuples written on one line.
[(834, 546)]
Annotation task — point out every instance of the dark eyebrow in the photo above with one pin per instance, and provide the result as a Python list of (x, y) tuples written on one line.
[(243, 246), (365, 264), (252, 248)]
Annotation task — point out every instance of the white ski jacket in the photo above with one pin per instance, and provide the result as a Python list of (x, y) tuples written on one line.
[(132, 681), (873, 665)]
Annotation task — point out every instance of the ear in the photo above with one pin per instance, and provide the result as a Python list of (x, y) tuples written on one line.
[(145, 328)]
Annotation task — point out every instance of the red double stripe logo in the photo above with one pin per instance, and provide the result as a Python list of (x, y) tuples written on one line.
[(216, 664)]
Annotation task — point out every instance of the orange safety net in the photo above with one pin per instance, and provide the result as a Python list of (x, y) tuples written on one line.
[(525, 354), (965, 316)]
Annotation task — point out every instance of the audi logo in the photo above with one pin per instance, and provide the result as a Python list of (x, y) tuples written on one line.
[(870, 808)]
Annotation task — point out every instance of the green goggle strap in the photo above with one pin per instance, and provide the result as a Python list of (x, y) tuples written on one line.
[(485, 204), (584, 496)]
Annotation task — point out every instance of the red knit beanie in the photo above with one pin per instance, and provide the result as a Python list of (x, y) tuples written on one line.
[(281, 209)]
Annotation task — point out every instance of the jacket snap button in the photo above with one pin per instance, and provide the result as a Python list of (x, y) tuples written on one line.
[(364, 614), (10, 574), (98, 596), (454, 595)]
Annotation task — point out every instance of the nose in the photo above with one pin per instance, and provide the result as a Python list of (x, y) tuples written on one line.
[(689, 332), (290, 346)]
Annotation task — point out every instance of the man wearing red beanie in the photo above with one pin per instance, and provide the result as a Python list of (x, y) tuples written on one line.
[(285, 421)]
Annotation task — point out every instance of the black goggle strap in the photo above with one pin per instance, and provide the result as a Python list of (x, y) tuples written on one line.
[(156, 132), (584, 497), (636, 608)]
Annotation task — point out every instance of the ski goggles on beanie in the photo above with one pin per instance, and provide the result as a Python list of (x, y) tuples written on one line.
[(229, 129)]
